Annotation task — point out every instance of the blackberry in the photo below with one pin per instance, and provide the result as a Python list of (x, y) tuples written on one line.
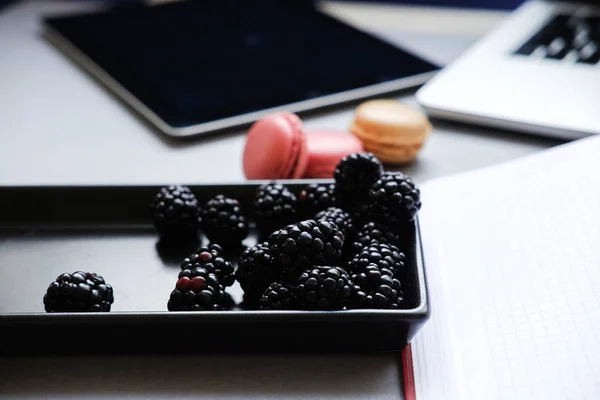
[(214, 249), (256, 270), (394, 198), (300, 246), (196, 290), (274, 207), (175, 212), (315, 198), (278, 296), (223, 221), (374, 232), (341, 218), (78, 292), (371, 276), (375, 288), (323, 288), (360, 214), (209, 258), (354, 176), (387, 258)]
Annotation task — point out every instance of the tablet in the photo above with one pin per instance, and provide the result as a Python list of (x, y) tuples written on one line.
[(193, 67)]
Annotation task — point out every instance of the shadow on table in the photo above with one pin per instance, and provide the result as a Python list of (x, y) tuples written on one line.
[(457, 147), (347, 377)]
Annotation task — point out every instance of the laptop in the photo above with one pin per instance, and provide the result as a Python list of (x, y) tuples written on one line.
[(537, 72)]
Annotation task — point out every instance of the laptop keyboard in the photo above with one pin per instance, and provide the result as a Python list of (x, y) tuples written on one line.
[(568, 38)]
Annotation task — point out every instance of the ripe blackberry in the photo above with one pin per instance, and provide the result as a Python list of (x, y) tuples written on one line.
[(278, 296), (196, 290), (370, 276), (274, 207), (341, 218), (360, 214), (374, 232), (209, 258), (315, 198), (323, 288), (300, 246), (375, 288), (78, 292), (214, 249), (175, 212), (395, 198), (354, 176), (387, 258), (256, 270), (223, 221)]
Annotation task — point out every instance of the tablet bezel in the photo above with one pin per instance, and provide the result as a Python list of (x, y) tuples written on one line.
[(238, 121)]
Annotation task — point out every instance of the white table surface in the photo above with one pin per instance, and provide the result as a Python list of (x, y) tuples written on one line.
[(57, 126)]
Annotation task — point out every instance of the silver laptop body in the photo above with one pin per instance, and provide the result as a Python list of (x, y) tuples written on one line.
[(537, 72)]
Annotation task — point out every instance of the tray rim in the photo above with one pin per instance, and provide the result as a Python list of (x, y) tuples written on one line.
[(421, 311), (191, 185)]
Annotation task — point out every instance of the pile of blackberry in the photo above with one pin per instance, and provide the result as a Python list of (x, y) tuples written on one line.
[(329, 246), (346, 252)]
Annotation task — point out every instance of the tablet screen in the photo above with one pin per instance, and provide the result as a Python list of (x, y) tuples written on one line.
[(193, 62)]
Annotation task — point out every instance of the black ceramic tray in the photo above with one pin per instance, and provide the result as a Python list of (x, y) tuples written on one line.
[(45, 231)]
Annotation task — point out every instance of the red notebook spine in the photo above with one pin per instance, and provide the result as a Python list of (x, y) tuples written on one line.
[(408, 374)]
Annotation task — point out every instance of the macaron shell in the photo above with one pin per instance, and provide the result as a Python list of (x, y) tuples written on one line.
[(397, 139), (386, 116), (276, 148), (326, 147), (390, 121), (298, 160), (393, 154), (391, 130)]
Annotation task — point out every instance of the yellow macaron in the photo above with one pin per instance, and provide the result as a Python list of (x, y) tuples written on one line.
[(391, 130)]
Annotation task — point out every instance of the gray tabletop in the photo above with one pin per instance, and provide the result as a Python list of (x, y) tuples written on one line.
[(57, 126)]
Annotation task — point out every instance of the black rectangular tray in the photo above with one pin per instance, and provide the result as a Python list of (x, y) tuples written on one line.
[(48, 230)]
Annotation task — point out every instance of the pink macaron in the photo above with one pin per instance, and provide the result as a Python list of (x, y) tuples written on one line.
[(326, 147), (276, 148)]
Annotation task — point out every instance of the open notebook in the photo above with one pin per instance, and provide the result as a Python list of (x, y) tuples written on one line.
[(513, 266)]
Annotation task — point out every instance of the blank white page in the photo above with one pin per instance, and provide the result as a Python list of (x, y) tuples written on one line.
[(513, 260)]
